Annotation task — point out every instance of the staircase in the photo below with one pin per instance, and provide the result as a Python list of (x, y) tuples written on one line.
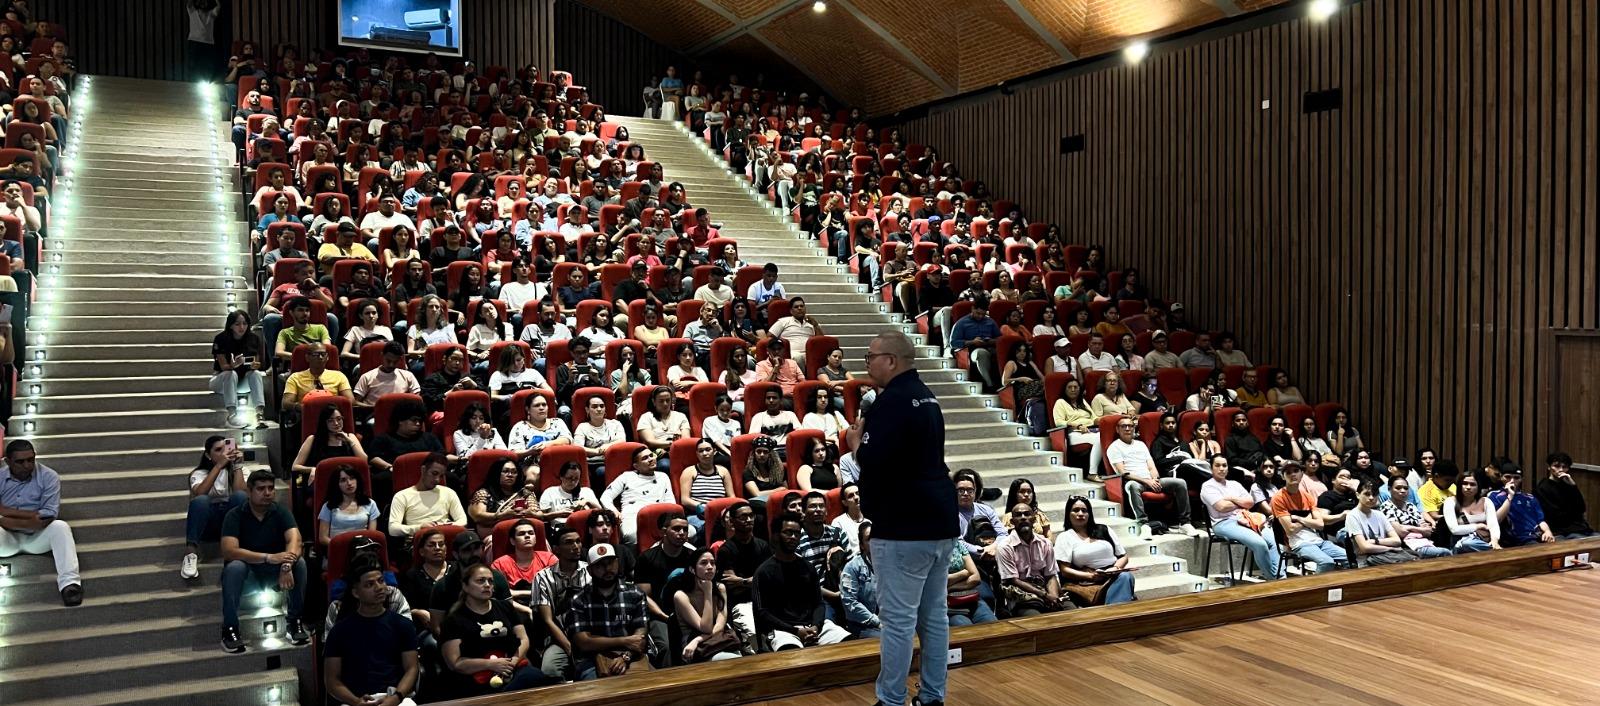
[(142, 264), (978, 434)]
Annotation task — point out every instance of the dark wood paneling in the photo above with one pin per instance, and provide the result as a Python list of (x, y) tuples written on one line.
[(1400, 255), (779, 674), (135, 38), (608, 57)]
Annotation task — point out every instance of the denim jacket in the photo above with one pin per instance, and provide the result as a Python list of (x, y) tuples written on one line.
[(858, 588)]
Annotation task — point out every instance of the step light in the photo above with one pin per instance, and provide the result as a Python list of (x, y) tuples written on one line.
[(34, 370), (28, 427), (5, 571), (35, 390), (32, 408), (38, 356)]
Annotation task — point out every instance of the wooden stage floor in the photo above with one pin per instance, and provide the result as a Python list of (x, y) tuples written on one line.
[(1526, 641)]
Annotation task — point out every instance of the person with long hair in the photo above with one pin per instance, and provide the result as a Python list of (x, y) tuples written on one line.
[(1267, 483), (348, 508), (327, 440), (661, 425), (822, 414), (1111, 399), (1413, 525), (508, 492), (1027, 383), (1231, 518), (764, 472), (820, 471), (216, 486), (1342, 437), (538, 430), (1073, 413), (474, 433), (483, 642), (1087, 552), (487, 330), (432, 326), (702, 483), (736, 375), (700, 604), (1022, 491), (1282, 391), (236, 367), (1280, 443), (1471, 515)]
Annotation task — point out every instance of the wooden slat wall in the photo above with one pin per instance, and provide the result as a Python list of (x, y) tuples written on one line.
[(608, 57), (1400, 255), (135, 38)]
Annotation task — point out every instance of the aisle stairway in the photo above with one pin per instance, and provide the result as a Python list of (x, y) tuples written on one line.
[(978, 434), (139, 270)]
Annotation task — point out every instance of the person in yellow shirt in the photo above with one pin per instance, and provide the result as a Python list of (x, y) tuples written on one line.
[(1441, 484), (1250, 395), (316, 376), (343, 247)]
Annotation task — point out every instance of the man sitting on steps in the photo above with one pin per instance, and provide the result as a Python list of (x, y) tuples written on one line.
[(260, 540), (30, 503)]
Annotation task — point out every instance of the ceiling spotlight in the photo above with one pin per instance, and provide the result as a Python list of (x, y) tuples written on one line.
[(819, 6), (1136, 52), (1323, 9)]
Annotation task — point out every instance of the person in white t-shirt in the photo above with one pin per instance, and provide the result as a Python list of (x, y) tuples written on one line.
[(568, 496), (1062, 361), (1229, 505), (774, 421), (1131, 460), (715, 291), (1096, 357), (520, 292), (538, 430), (388, 215), (635, 489)]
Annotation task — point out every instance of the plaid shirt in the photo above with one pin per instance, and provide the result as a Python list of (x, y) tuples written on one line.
[(815, 549), (619, 615), (553, 589)]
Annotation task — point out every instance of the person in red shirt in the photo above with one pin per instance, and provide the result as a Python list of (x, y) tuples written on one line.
[(525, 561)]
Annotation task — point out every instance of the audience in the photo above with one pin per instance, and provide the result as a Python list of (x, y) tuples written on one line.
[(1295, 511), (1524, 518), (1563, 505), (1028, 568), (1231, 518), (427, 504), (483, 641), (370, 656), (1471, 515), (633, 489), (553, 589), (216, 487)]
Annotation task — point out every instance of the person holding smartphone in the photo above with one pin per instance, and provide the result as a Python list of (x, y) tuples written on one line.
[(235, 352)]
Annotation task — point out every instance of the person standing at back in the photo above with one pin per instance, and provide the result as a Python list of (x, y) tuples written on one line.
[(907, 494)]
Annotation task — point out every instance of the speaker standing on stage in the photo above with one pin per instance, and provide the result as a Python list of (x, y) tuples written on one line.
[(907, 494)]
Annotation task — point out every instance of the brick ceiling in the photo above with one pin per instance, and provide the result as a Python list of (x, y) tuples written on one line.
[(887, 55)]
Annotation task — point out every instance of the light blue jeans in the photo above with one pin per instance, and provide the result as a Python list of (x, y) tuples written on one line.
[(1325, 553), (1121, 590), (1263, 546), (1470, 543), (912, 598)]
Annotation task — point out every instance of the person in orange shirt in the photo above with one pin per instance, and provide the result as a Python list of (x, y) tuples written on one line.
[(1293, 508)]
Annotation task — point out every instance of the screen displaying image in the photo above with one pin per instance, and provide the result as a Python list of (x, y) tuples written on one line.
[(402, 25)]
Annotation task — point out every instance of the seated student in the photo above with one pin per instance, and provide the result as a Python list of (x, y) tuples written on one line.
[(1471, 516), (301, 285), (787, 594), (1295, 511), (796, 329), (317, 377), (1376, 539), (405, 435), (851, 518), (538, 430), (700, 605), (522, 566), (300, 331), (1413, 525), (672, 553), (553, 589), (1130, 459), (513, 375), (417, 584), (216, 486), (483, 641), (452, 375), (348, 507), (235, 368), (1027, 565), (1337, 500), (428, 503), (607, 621), (858, 589), (30, 505), (1441, 484), (636, 488), (704, 482), (740, 555), (540, 333), (1523, 518), (977, 334), (370, 656), (364, 286), (390, 377), (1229, 506), (1563, 505), (764, 473), (661, 425), (260, 540), (507, 492), (773, 421), (1088, 553)]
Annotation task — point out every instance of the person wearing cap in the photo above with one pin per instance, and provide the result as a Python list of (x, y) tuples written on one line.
[(468, 548), (634, 289), (607, 621), (1061, 359), (344, 245), (779, 368), (1295, 510), (1521, 518), (1177, 319), (370, 655), (1159, 357), (715, 292), (260, 541)]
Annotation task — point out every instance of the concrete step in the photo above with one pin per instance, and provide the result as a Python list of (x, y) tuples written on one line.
[(151, 348), (182, 243), (79, 250), (153, 459), (128, 527), (124, 504), (101, 386), (212, 269), (80, 482), (189, 176), (111, 608), (122, 401), (133, 322), (252, 688), (137, 280), (41, 587), (53, 444), (111, 422), (990, 429), (155, 340), (153, 300), (105, 555), (961, 456)]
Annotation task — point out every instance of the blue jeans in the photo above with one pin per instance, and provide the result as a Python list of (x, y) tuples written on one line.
[(1121, 589), (1264, 546), (981, 613), (205, 515), (1471, 543), (912, 598), (1431, 552), (236, 573), (1324, 553)]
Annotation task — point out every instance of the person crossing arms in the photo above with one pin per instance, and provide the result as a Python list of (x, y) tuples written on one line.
[(907, 494)]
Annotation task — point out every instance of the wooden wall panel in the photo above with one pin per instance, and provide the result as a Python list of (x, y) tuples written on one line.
[(1400, 255), (122, 37), (610, 58)]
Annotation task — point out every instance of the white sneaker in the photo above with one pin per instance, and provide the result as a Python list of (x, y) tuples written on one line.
[(1189, 529), (191, 566)]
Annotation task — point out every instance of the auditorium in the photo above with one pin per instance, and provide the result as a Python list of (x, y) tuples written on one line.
[(639, 352)]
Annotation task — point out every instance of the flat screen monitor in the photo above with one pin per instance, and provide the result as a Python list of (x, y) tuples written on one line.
[(402, 25)]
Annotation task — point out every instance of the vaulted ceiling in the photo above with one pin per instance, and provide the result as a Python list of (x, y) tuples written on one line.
[(886, 55)]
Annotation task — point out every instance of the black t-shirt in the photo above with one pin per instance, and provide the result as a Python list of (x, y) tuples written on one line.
[(371, 650), (743, 559), (263, 535), (655, 566), (417, 586), (226, 344), (761, 485), (447, 590), (1335, 502), (481, 634), (390, 447), (787, 593), (442, 256), (630, 291)]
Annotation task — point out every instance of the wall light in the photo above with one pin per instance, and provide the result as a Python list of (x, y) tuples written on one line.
[(819, 6), (1323, 9), (1136, 52)]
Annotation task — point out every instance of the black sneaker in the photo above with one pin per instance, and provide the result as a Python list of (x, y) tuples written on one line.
[(72, 595), (936, 702), (232, 643), (297, 633)]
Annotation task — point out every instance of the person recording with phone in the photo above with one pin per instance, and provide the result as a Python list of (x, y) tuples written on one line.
[(236, 352), (216, 485)]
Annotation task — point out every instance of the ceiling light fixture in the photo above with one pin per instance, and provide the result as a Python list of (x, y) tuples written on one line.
[(819, 6), (1323, 9), (1136, 52)]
